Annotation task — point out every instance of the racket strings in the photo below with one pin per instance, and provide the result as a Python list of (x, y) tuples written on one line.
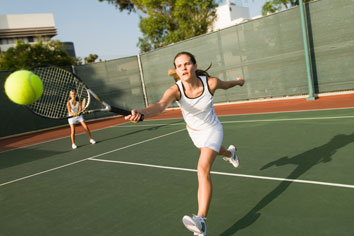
[(57, 83), (83, 95)]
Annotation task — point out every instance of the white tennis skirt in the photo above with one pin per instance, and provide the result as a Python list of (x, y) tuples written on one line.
[(211, 137), (76, 120)]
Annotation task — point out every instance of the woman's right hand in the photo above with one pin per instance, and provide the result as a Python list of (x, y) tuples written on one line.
[(133, 117)]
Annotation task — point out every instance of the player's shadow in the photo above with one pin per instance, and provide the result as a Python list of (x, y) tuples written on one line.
[(303, 162)]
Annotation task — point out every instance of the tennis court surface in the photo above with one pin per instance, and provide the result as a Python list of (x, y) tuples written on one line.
[(295, 177)]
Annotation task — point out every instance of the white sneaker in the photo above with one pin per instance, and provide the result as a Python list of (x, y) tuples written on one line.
[(196, 234), (92, 141), (73, 146), (196, 224), (233, 159)]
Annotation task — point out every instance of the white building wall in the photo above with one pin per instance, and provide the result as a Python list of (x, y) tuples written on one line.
[(228, 15), (255, 6), (24, 22), (233, 12), (239, 12)]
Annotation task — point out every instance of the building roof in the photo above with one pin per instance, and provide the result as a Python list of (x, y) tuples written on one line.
[(27, 25)]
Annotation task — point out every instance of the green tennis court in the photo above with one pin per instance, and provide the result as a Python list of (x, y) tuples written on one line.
[(295, 178)]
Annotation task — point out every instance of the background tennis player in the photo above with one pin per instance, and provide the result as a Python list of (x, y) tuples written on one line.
[(74, 107)]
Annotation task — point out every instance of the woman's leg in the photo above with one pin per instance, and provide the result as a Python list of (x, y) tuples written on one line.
[(86, 129), (72, 133), (206, 159), (224, 152)]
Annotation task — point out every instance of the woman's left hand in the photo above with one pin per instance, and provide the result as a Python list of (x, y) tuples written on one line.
[(240, 81)]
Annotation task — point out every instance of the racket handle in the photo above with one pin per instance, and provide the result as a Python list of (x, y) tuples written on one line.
[(124, 112)]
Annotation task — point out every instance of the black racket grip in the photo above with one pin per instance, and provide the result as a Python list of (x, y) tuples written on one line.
[(124, 112)]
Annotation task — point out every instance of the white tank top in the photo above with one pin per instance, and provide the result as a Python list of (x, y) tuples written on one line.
[(74, 108), (198, 112)]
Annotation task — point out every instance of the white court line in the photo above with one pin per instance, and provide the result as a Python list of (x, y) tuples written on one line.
[(229, 174), (182, 123), (289, 119), (244, 121), (42, 172), (89, 158), (295, 111)]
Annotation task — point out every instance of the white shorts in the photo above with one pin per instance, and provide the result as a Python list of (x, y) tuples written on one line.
[(211, 137), (76, 120)]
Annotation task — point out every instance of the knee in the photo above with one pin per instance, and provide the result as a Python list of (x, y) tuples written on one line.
[(85, 127), (203, 172)]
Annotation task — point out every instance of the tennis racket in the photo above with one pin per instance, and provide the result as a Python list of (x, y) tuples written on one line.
[(57, 84)]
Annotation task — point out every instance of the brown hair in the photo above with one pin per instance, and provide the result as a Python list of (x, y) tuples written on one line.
[(198, 72)]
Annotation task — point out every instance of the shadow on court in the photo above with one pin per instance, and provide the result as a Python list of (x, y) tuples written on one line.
[(304, 162), (141, 131), (25, 155)]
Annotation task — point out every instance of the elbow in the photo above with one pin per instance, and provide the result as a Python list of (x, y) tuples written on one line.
[(160, 109)]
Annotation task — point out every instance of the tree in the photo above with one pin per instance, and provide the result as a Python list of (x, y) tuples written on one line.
[(269, 8), (122, 5), (25, 55), (169, 21), (276, 5), (91, 58)]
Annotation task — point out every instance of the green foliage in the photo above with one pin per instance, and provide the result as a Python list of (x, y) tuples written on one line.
[(91, 58), (273, 6), (122, 5), (170, 21), (25, 55), (269, 8)]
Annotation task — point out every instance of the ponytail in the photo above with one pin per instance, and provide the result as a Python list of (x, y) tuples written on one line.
[(203, 72)]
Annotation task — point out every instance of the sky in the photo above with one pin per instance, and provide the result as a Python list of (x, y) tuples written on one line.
[(94, 27)]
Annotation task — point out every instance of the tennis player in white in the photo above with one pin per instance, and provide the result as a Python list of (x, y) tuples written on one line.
[(74, 107), (194, 93)]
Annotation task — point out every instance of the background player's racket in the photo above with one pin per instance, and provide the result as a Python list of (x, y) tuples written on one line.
[(57, 84)]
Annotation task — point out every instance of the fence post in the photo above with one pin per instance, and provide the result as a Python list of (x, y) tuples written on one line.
[(143, 81), (305, 38)]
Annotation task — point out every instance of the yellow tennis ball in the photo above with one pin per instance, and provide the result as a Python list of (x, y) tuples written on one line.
[(23, 87)]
